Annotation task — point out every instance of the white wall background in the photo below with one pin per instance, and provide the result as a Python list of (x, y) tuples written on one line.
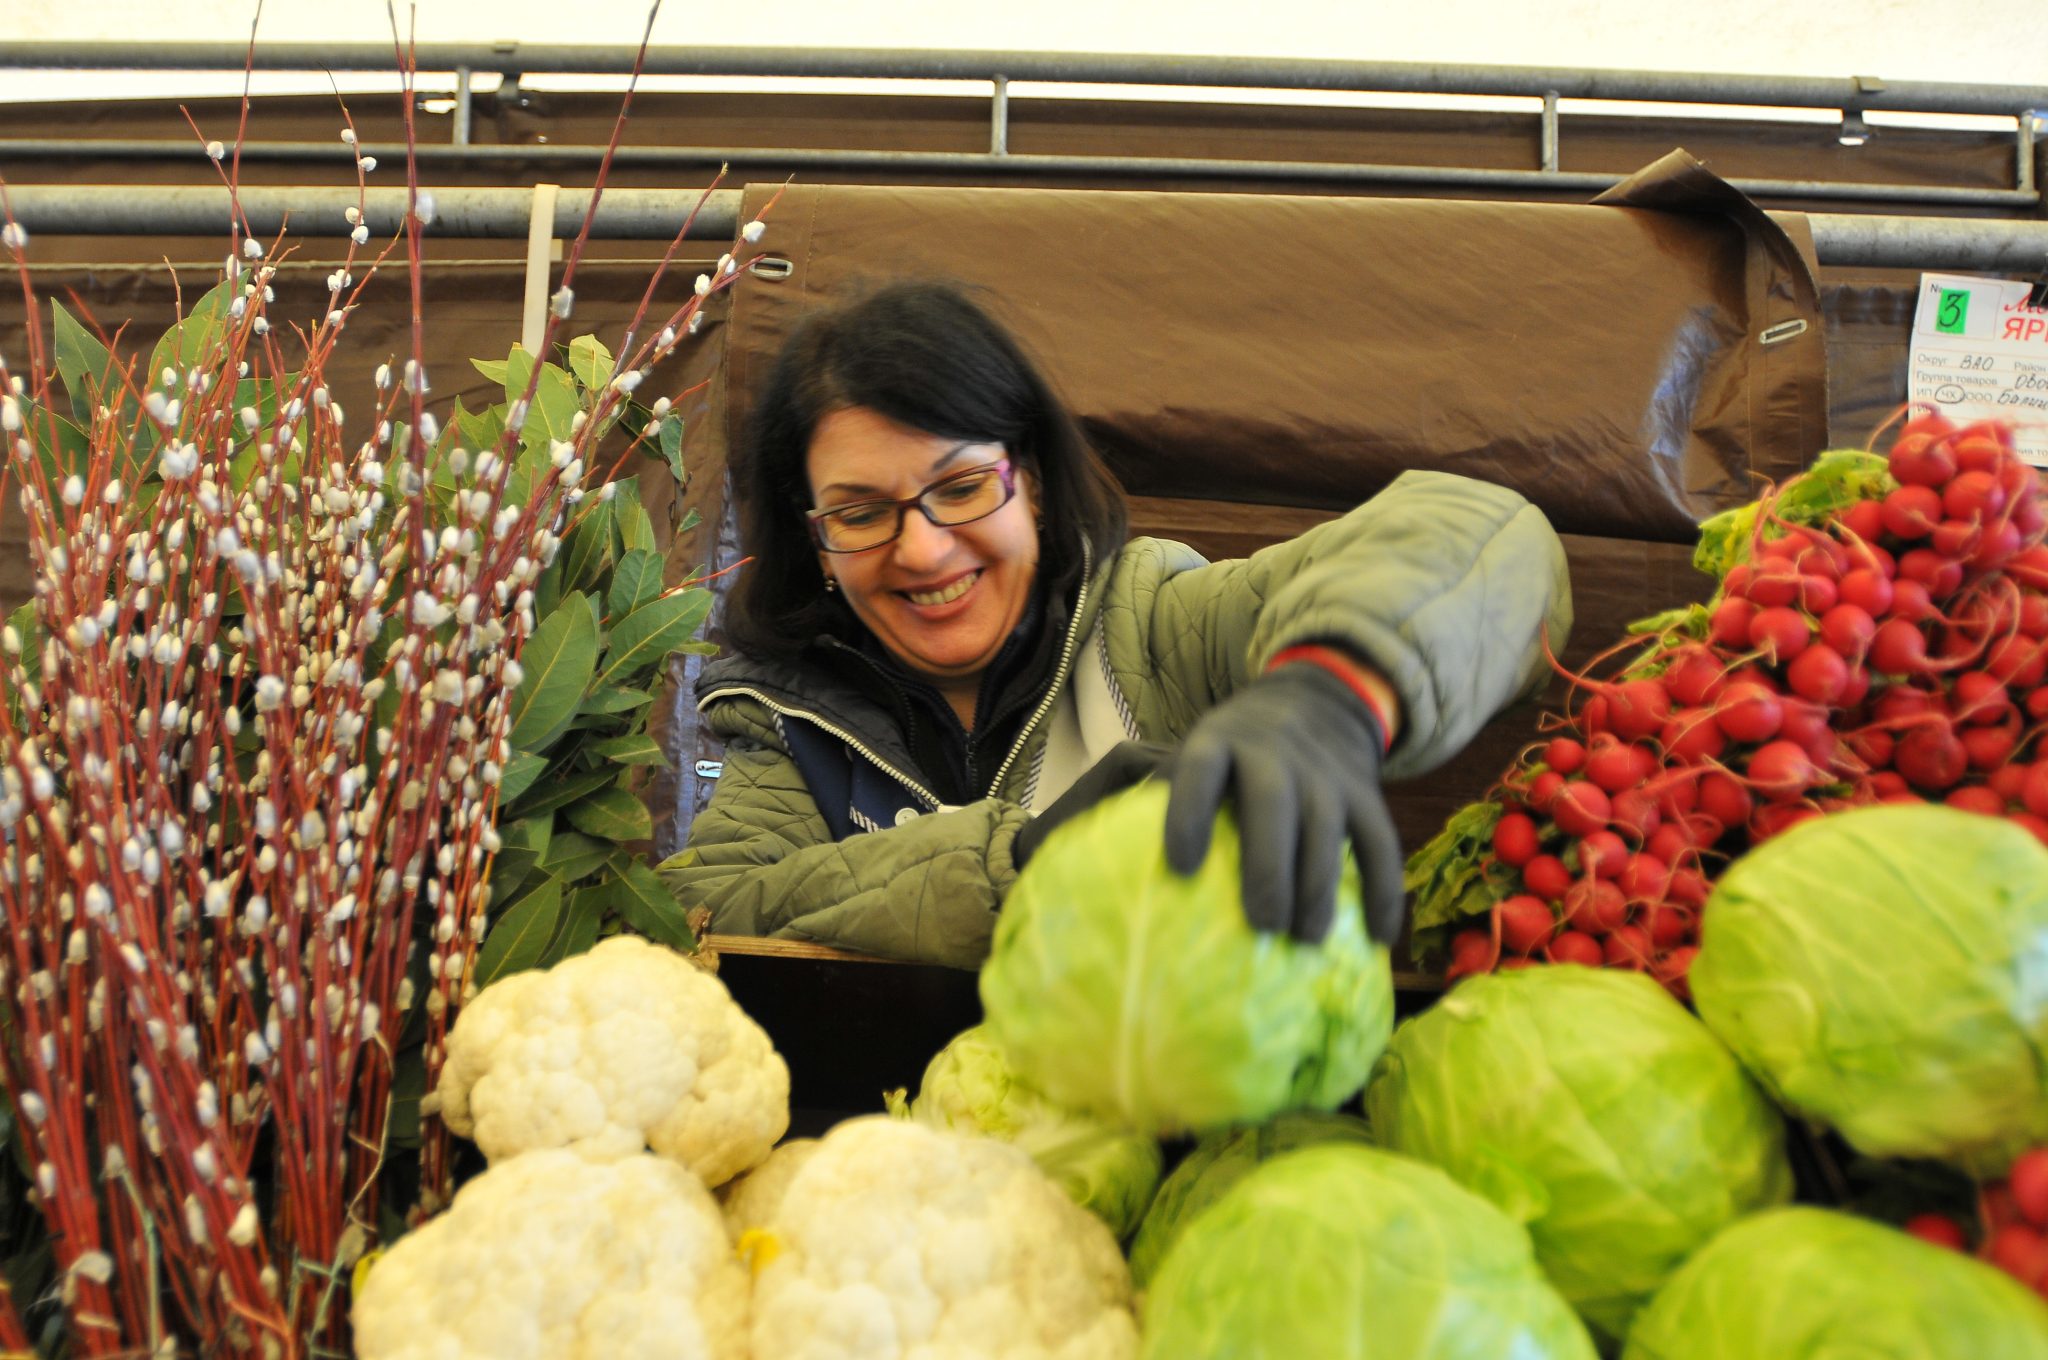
[(1984, 41)]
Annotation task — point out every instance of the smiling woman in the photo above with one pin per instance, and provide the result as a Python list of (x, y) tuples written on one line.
[(942, 647)]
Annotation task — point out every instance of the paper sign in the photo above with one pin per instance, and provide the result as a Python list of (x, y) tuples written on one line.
[(1981, 353)]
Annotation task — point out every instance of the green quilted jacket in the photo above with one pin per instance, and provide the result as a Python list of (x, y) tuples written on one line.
[(1442, 582)]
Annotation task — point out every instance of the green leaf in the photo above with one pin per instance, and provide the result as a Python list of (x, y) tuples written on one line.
[(520, 772), (581, 922), (560, 789), (522, 845), (635, 748), (610, 699), (89, 372), (650, 908), (521, 936), (672, 447), (1448, 875), (493, 371), (589, 547), (552, 414), (480, 430), (558, 662), (573, 855), (188, 343), (612, 814), (1837, 479), (635, 581), (643, 639), (590, 361)]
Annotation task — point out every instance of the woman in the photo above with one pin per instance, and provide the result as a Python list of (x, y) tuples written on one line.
[(943, 647)]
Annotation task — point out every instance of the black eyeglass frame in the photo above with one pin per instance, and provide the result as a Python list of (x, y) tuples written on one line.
[(1002, 467)]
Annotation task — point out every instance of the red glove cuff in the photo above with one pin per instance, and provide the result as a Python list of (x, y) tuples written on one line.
[(1345, 669)]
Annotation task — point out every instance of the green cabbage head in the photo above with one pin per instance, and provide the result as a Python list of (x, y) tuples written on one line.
[(970, 1088), (1595, 1110), (1885, 970), (1220, 1161), (1811, 1284), (1124, 989), (1342, 1252)]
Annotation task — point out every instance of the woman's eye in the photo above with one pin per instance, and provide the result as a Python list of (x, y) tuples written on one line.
[(860, 516), (963, 491)]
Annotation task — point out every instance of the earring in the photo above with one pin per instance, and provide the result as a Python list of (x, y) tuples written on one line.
[(831, 585)]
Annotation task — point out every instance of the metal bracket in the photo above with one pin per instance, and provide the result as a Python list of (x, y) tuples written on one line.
[(999, 118), (1784, 330), (710, 769), (2023, 177), (460, 136), (771, 267), (1550, 132)]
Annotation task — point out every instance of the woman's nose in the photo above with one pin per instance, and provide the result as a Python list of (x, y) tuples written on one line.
[(922, 544)]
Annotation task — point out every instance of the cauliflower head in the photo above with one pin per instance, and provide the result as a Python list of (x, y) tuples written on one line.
[(550, 1256), (750, 1201), (627, 1047), (898, 1241)]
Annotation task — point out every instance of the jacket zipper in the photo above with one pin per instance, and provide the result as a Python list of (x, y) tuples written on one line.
[(931, 799), (1059, 675)]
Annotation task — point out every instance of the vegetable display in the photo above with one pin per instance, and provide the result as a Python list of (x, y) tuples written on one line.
[(970, 1087), (1220, 1161), (1592, 1109), (1350, 1253), (1121, 988), (1880, 634), (1808, 1284), (1941, 1055)]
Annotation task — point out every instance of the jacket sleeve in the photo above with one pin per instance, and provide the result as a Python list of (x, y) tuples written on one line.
[(760, 857), (1444, 584)]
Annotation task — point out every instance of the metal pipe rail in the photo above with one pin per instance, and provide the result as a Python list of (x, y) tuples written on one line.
[(1275, 73), (656, 214)]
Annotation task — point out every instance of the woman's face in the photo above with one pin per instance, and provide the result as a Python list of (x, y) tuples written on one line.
[(942, 600)]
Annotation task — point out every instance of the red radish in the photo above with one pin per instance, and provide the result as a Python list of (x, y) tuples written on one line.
[(1511, 962), (1634, 811), (2034, 790), (1673, 969), (2037, 827), (1628, 947), (1672, 842), (1912, 512), (1693, 676), (1912, 602), (1543, 790), (1806, 724), (1729, 625), (1869, 590), (1580, 807), (2037, 703), (1689, 887), (1933, 568), (1668, 925), (1920, 461), (1595, 906), (1772, 586), (1980, 697), (2000, 540), (1905, 701), (1615, 766), (1899, 648), (1864, 520), (1890, 786), (1978, 450), (1871, 745), (1939, 1229), (1547, 877), (1602, 854), (2007, 781), (1593, 716), (1575, 946), (1817, 593), (1976, 798), (1525, 923), (1774, 819), (1819, 674), (1692, 736), (1644, 879), (1637, 708), (1676, 796), (1975, 496), (1747, 711), (1858, 687), (1723, 798), (2028, 1181), (2029, 567), (1472, 951), (2020, 1250), (1990, 748), (2017, 661), (1931, 757), (1782, 771), (1848, 629), (1955, 540), (1515, 841), (1781, 633), (1564, 755)]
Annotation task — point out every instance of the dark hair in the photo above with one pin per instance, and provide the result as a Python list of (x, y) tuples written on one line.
[(923, 354)]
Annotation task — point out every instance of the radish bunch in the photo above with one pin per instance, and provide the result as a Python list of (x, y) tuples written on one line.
[(2014, 1215), (1880, 634)]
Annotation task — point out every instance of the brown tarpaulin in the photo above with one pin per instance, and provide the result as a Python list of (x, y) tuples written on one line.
[(1252, 364)]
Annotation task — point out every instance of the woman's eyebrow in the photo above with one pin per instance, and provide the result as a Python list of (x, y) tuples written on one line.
[(863, 489)]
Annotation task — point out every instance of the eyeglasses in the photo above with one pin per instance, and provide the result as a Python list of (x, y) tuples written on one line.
[(949, 502)]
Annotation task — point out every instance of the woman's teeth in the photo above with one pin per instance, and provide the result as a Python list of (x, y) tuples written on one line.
[(946, 595)]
